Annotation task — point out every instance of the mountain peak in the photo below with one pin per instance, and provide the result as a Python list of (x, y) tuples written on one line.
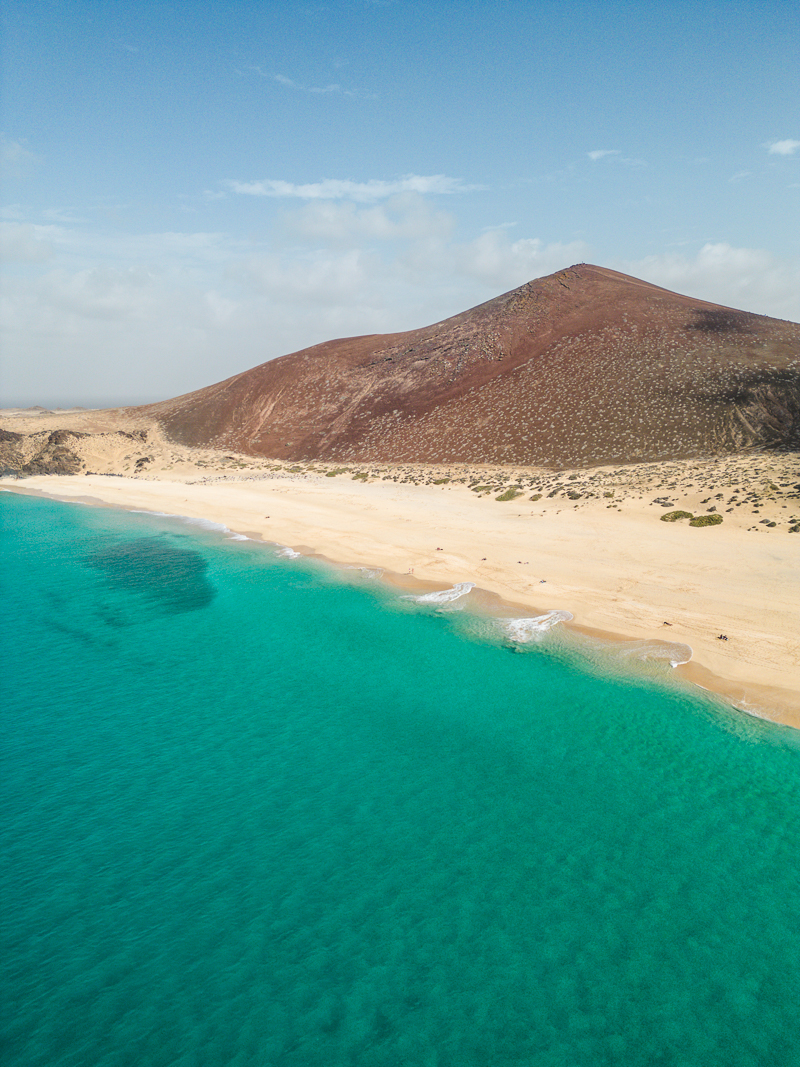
[(584, 366)]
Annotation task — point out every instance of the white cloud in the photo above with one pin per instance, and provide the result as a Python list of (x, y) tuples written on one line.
[(99, 318), (21, 243), (750, 279), (290, 83), (15, 157), (338, 189), (491, 260), (405, 216), (616, 156), (283, 80), (112, 319), (114, 293), (783, 148), (58, 214)]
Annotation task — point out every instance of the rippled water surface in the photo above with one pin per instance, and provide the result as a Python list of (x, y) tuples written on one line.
[(257, 812)]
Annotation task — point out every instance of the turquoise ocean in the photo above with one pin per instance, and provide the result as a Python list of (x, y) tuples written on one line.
[(260, 811)]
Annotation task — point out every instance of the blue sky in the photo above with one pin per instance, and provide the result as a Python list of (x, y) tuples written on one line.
[(192, 188)]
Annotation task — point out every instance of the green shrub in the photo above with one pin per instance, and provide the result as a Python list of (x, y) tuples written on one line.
[(706, 520), (360, 477), (481, 488), (509, 494), (536, 496), (440, 481), (673, 516)]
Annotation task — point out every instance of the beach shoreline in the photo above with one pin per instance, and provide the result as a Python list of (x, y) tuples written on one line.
[(623, 576)]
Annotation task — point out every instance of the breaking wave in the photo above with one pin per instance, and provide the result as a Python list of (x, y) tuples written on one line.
[(204, 524), (288, 553), (523, 630), (441, 596)]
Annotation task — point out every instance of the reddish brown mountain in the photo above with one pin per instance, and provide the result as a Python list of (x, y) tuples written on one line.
[(586, 366)]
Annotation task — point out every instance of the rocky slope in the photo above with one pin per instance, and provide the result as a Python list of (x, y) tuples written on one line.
[(586, 366)]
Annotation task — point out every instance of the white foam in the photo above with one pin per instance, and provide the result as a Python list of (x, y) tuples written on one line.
[(531, 629), (442, 596), (749, 709), (678, 662), (206, 524), (288, 553), (671, 651)]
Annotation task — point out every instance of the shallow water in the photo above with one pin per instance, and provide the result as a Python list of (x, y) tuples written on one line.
[(257, 811)]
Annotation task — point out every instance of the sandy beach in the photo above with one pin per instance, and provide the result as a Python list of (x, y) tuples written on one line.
[(589, 542)]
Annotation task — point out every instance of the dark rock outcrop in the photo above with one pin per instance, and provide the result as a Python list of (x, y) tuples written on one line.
[(55, 457), (11, 457)]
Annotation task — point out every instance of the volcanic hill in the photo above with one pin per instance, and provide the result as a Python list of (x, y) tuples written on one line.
[(584, 367)]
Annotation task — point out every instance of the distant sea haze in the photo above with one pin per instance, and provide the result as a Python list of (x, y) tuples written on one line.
[(259, 811)]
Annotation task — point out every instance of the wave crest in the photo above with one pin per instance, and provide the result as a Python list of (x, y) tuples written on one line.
[(441, 596), (523, 630)]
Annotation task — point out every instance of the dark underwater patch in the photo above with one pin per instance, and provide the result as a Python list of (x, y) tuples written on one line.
[(172, 578)]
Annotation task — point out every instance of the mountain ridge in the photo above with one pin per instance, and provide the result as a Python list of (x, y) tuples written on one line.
[(579, 368)]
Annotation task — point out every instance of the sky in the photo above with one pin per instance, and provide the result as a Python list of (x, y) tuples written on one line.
[(192, 188)]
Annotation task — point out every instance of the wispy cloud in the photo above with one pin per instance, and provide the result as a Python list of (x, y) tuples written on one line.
[(783, 148), (616, 155), (65, 215), (15, 157), (318, 90), (739, 176), (338, 189), (281, 79)]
